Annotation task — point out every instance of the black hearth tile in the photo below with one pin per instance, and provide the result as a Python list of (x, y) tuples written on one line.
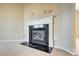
[(24, 43), (37, 46)]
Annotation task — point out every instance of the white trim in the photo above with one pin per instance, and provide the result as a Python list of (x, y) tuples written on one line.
[(12, 40)]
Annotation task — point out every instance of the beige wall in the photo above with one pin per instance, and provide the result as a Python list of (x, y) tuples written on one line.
[(77, 24), (38, 10), (11, 17), (68, 17)]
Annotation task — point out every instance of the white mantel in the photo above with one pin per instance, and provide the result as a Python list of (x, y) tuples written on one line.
[(41, 20)]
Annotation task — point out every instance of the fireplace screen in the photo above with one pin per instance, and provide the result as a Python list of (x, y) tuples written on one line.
[(38, 35)]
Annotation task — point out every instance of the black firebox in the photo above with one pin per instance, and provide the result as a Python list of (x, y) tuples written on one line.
[(39, 34)]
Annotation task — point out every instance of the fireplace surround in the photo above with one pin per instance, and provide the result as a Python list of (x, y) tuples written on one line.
[(39, 34)]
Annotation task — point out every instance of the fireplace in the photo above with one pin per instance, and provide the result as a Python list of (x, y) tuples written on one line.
[(39, 34)]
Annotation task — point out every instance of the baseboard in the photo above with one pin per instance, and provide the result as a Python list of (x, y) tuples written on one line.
[(12, 40)]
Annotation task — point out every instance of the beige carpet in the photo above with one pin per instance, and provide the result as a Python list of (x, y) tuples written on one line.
[(21, 50), (16, 49)]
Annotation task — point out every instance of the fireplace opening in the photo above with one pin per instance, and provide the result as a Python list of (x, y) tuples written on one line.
[(39, 35)]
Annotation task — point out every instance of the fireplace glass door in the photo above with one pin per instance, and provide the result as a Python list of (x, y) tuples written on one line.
[(38, 35)]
